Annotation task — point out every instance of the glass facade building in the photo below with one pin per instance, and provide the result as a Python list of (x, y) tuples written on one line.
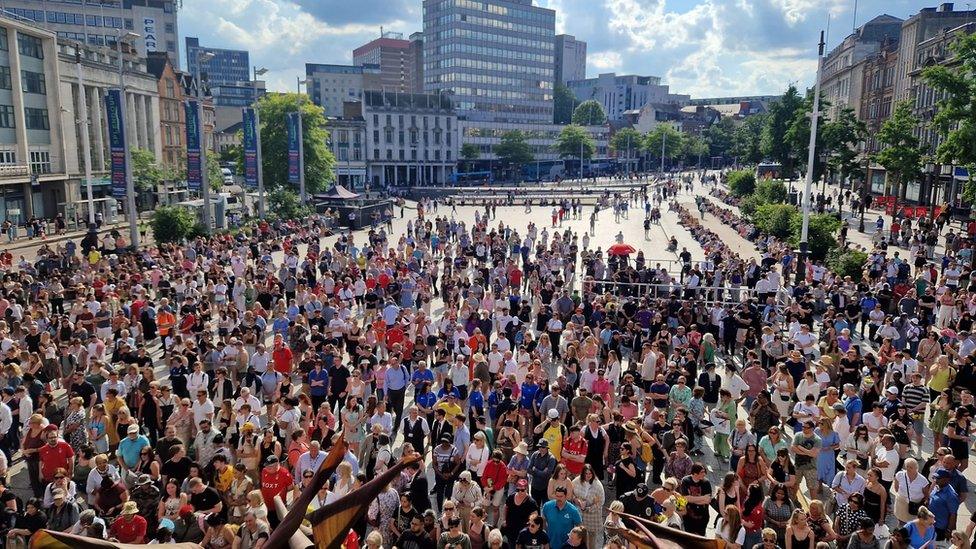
[(228, 73), (496, 57)]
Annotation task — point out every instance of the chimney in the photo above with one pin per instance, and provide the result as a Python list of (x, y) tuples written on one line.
[(945, 7)]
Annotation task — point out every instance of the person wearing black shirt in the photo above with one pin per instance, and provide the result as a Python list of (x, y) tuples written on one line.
[(338, 382), (83, 388), (638, 503), (177, 465), (518, 509), (205, 499), (626, 475), (415, 537), (697, 490)]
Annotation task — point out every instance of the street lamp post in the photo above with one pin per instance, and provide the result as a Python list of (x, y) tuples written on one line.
[(811, 157), (203, 57), (85, 140), (257, 130)]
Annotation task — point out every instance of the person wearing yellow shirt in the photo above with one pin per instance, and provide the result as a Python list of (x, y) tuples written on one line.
[(449, 405), (223, 474), (552, 431)]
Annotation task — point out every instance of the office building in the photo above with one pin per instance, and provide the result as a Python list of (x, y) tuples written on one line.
[(496, 58), (570, 59), (396, 59), (922, 26), (99, 22), (877, 92), (100, 72), (619, 94), (843, 67), (347, 139), (411, 139), (541, 137), (329, 86), (226, 78)]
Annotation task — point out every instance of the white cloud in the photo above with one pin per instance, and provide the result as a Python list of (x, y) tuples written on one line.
[(605, 60)]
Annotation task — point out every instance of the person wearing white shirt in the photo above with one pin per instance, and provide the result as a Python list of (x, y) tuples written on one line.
[(847, 482), (737, 385), (309, 461), (246, 398), (382, 418), (259, 360), (198, 380), (202, 408), (495, 358)]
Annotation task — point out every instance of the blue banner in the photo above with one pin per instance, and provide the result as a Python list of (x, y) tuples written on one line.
[(250, 149), (116, 141), (291, 122), (194, 168)]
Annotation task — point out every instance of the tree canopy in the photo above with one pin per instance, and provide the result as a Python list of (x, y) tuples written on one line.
[(901, 155), (589, 113), (571, 138), (564, 103), (514, 149), (775, 143)]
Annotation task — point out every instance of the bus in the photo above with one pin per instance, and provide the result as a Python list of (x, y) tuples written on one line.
[(472, 178)]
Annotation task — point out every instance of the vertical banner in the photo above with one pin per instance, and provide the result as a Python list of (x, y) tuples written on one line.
[(194, 175), (116, 140), (291, 122), (250, 149)]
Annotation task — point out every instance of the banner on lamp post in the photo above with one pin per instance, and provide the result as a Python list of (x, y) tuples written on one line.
[(250, 149), (194, 167), (294, 162), (116, 139)]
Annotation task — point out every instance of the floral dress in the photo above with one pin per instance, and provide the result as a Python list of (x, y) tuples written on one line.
[(79, 437), (99, 434), (352, 429)]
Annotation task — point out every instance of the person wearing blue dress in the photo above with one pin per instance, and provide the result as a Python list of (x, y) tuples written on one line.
[(827, 460)]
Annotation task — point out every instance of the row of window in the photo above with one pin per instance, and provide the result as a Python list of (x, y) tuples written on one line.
[(473, 78), (34, 119), (413, 155), (505, 108), (453, 18), (31, 46), (550, 135), (492, 51), (40, 161), (500, 94), (494, 38), (545, 72), (537, 15), (413, 121), (414, 138)]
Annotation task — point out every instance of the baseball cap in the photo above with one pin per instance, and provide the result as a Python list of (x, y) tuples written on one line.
[(641, 489)]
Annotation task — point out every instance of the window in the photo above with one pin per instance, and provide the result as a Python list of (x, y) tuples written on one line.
[(30, 46), (170, 46), (3, 40), (170, 88), (388, 137), (6, 116), (128, 24), (40, 162), (376, 154), (5, 78), (8, 157), (170, 29), (33, 82), (36, 119)]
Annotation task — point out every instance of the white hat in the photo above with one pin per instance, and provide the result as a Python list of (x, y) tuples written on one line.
[(553, 413), (892, 389)]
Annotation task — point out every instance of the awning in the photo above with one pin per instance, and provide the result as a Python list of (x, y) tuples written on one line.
[(338, 192)]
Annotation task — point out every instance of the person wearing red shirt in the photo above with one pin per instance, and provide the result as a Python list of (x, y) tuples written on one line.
[(130, 527), (282, 357), (574, 451), (56, 454), (493, 482), (275, 481)]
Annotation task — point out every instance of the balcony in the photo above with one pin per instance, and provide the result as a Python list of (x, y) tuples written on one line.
[(14, 170)]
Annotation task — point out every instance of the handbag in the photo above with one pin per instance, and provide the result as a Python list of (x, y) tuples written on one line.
[(913, 507)]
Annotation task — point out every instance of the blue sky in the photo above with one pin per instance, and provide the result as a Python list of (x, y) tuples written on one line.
[(700, 47)]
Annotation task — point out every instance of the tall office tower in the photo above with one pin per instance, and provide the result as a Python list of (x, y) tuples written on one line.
[(396, 58), (570, 59), (495, 56)]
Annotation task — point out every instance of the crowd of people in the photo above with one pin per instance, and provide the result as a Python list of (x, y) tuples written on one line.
[(559, 395)]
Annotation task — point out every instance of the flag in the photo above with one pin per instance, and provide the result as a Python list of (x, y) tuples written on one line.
[(50, 539), (331, 523), (289, 523), (653, 535)]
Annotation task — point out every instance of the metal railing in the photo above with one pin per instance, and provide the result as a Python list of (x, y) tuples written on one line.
[(709, 295)]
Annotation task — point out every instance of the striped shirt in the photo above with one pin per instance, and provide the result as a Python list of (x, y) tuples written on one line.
[(914, 395)]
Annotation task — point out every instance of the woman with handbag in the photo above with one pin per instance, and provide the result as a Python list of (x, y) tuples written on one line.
[(911, 491)]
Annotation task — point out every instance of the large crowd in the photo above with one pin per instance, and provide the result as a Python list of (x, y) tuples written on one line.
[(560, 395)]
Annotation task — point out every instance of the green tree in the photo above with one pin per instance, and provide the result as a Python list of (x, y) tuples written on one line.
[(514, 150), (284, 204), (172, 224), (841, 138), (955, 118), (664, 135), (847, 262), (720, 137), (774, 144), (571, 138), (820, 235), (770, 192), (798, 136), (589, 113), (214, 176), (469, 153), (747, 139), (564, 103), (319, 161), (695, 149), (146, 173), (741, 182), (625, 142), (775, 219), (901, 155), (231, 153)]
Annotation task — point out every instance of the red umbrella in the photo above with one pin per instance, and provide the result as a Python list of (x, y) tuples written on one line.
[(621, 249)]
